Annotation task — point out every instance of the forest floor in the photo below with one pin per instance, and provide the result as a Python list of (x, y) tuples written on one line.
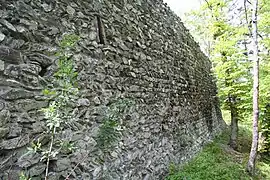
[(218, 161)]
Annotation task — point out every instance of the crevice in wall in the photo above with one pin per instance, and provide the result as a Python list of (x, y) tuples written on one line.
[(43, 71), (101, 30)]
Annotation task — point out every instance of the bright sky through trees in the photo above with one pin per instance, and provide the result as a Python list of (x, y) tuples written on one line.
[(182, 6)]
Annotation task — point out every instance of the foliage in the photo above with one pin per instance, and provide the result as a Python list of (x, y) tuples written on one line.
[(23, 176), (222, 41), (225, 40), (263, 25), (69, 41), (218, 161), (264, 22), (66, 147), (264, 166), (110, 129), (265, 128), (62, 95)]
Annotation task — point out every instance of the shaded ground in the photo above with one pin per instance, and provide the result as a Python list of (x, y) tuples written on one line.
[(219, 162)]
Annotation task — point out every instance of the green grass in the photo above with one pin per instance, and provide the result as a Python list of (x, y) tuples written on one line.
[(219, 162), (264, 167)]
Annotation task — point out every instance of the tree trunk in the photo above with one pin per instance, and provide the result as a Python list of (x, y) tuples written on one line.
[(234, 126), (253, 152)]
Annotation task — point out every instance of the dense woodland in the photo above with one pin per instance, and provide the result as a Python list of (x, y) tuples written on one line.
[(235, 36)]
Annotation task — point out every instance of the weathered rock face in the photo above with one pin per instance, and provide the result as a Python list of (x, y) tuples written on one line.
[(134, 49)]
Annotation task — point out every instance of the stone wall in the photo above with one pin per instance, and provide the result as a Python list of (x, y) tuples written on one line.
[(135, 49)]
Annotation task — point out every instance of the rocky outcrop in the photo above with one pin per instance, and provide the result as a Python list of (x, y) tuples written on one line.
[(128, 48)]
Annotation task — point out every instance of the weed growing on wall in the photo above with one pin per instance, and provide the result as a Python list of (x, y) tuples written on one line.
[(23, 176), (62, 95), (110, 130)]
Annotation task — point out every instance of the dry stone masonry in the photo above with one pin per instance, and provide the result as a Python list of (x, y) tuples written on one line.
[(136, 49)]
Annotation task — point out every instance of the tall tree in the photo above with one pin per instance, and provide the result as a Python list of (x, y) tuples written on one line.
[(222, 40), (255, 137)]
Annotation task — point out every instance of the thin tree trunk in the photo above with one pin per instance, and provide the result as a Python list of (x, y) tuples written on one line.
[(253, 152), (234, 126)]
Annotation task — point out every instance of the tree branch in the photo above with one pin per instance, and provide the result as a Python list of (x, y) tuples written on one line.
[(248, 1), (246, 16), (209, 6)]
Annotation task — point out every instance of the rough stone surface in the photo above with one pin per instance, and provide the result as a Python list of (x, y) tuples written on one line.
[(139, 49)]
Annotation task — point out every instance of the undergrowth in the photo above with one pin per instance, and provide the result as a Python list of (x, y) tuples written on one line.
[(219, 162)]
